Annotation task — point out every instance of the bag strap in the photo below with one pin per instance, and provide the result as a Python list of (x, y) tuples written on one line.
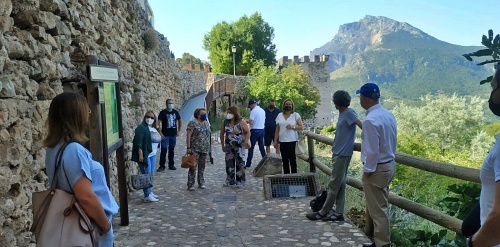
[(58, 163)]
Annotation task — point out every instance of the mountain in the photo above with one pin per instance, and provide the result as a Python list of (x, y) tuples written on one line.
[(405, 61)]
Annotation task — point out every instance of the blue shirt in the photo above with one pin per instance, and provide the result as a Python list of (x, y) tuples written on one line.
[(77, 162), (345, 133), (270, 124)]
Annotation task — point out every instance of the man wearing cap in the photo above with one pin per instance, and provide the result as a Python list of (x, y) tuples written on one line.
[(378, 149), (256, 121)]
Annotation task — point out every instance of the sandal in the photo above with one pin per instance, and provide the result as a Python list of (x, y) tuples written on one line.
[(334, 217), (315, 216)]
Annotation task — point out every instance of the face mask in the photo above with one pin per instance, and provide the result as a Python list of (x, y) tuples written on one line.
[(149, 121), (495, 108), (271, 107), (203, 117), (170, 106), (287, 108), (229, 116)]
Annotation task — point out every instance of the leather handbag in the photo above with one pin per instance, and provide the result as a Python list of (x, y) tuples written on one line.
[(300, 147), (188, 161), (142, 181), (58, 219)]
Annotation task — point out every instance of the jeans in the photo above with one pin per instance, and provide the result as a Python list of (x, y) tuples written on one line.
[(167, 145), (256, 135), (149, 169)]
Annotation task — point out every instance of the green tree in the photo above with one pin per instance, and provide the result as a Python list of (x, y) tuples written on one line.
[(253, 38), (188, 59), (448, 121), (291, 82)]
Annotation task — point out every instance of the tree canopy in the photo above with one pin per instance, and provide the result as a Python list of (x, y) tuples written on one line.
[(291, 82), (188, 59), (253, 38)]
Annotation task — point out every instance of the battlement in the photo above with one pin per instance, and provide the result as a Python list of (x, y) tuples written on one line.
[(305, 59)]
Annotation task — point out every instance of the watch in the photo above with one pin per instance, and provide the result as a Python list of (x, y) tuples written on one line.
[(468, 242)]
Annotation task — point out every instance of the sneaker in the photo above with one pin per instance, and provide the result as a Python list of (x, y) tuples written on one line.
[(225, 184), (202, 186), (161, 169), (153, 195), (333, 217), (172, 168), (150, 198), (315, 216), (191, 188)]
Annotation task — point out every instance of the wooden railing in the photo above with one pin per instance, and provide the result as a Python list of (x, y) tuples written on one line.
[(218, 89), (436, 216)]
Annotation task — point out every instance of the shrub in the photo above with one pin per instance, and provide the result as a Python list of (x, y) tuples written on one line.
[(151, 42)]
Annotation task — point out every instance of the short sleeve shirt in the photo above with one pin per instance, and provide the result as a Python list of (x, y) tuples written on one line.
[(287, 135), (169, 122), (270, 124), (489, 174), (345, 133), (258, 116), (200, 136)]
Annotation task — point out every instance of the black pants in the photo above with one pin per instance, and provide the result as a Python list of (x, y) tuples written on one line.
[(472, 222), (288, 156)]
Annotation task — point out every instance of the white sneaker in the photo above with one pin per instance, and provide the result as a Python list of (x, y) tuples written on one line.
[(150, 198), (155, 196)]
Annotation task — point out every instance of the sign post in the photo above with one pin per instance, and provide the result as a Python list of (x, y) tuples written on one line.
[(106, 137)]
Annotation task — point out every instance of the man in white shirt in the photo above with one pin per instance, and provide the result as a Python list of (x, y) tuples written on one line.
[(378, 149), (257, 120)]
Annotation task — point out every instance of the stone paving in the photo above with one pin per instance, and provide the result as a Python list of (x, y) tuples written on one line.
[(224, 216)]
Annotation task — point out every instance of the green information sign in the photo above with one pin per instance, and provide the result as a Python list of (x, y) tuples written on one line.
[(111, 109)]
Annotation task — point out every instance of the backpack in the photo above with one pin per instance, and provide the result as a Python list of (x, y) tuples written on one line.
[(317, 203)]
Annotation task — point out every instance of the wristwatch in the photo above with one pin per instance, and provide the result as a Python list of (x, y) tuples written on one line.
[(468, 242)]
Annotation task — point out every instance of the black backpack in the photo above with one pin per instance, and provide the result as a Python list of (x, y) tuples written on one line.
[(317, 203)]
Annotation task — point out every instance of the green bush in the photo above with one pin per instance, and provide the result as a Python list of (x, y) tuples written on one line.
[(151, 42)]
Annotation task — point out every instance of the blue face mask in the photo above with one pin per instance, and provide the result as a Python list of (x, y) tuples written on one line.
[(203, 117), (170, 106)]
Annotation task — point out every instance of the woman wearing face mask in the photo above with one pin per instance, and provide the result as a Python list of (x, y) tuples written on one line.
[(142, 147), (288, 122), (198, 143), (235, 136)]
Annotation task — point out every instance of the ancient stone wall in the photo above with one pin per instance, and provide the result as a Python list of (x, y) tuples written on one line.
[(317, 69), (43, 44)]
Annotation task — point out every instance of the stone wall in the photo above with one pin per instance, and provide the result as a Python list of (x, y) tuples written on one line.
[(317, 69), (43, 44)]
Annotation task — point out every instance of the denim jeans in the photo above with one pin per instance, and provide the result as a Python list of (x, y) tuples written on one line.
[(256, 135), (150, 161), (167, 145)]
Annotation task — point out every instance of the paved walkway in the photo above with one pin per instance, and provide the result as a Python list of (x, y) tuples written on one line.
[(224, 216)]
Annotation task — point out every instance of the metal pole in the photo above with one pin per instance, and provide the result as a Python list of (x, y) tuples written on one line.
[(234, 64)]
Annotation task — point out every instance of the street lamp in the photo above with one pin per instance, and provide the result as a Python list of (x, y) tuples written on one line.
[(233, 49)]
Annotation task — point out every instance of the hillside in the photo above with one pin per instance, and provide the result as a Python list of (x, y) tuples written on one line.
[(405, 61)]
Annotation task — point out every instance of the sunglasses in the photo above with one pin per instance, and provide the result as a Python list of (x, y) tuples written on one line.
[(150, 117)]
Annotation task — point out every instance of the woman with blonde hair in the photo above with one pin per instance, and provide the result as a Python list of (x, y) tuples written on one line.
[(198, 143), (288, 122), (234, 136), (67, 123), (142, 147)]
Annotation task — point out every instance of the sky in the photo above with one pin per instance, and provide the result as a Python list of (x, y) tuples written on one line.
[(303, 25)]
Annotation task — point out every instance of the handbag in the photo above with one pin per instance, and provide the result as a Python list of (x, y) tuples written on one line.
[(300, 146), (188, 161), (142, 181), (58, 219)]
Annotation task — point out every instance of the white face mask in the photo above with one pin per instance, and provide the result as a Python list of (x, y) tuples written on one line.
[(150, 121), (229, 116)]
